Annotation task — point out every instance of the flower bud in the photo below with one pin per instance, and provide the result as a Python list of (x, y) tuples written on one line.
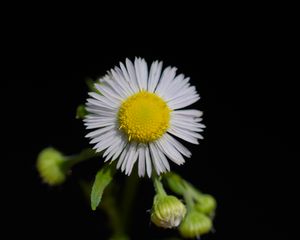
[(195, 224), (49, 166), (168, 211), (206, 204)]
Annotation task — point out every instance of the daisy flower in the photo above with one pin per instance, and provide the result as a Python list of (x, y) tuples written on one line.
[(137, 116)]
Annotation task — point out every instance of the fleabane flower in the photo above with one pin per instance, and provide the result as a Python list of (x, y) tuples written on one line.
[(137, 114)]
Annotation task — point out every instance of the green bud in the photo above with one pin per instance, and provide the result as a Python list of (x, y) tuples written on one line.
[(49, 166), (206, 204), (195, 224), (168, 211)]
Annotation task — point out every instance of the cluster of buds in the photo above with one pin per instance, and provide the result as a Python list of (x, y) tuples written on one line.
[(193, 219), (192, 216)]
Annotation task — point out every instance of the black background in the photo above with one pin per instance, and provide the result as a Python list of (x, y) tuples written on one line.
[(245, 74)]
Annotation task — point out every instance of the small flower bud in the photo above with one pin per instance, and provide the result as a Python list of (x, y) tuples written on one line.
[(195, 224), (168, 211), (49, 166), (206, 204)]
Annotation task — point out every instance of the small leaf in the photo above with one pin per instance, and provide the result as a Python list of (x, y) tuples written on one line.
[(91, 85), (103, 178), (81, 112)]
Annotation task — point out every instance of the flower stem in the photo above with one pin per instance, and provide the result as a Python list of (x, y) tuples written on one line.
[(128, 198), (189, 200), (109, 206), (85, 154), (158, 186)]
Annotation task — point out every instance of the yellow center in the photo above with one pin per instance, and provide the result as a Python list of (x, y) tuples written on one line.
[(144, 117)]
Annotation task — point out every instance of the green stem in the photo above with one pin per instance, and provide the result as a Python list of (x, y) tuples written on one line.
[(158, 186), (189, 200), (109, 206), (128, 198), (85, 154)]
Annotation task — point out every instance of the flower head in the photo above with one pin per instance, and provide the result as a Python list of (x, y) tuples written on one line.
[(136, 114), (195, 224), (49, 166), (168, 211)]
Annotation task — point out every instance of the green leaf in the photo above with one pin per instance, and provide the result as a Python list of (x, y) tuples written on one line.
[(91, 85), (103, 178), (81, 112)]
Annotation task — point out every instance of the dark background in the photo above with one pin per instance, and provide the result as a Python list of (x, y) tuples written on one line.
[(245, 74)]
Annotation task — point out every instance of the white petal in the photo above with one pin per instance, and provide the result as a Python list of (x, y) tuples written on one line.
[(187, 132), (167, 76), (105, 144), (104, 102), (131, 86), (183, 93), (99, 119), (105, 135), (131, 162), (120, 80), (108, 92), (105, 141), (119, 150), (154, 75), (162, 157), (189, 112), (121, 158), (132, 76), (182, 149), (144, 75), (177, 84), (128, 157), (158, 165), (106, 115), (99, 125), (148, 162), (142, 158), (101, 110), (112, 81), (99, 131), (187, 120), (141, 71), (191, 120), (184, 136), (168, 149), (112, 149), (187, 126), (183, 101)]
